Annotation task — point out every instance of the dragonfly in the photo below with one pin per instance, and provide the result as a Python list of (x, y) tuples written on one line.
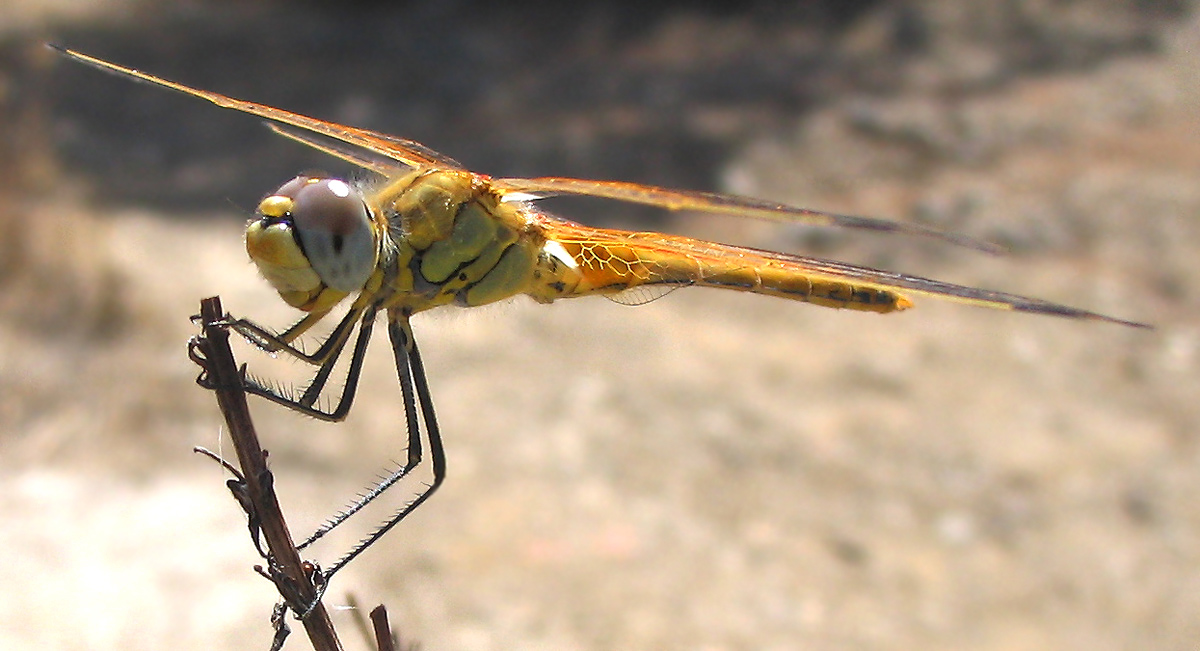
[(431, 233)]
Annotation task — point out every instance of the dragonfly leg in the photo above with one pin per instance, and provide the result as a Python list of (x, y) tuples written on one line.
[(271, 342), (414, 387), (331, 350)]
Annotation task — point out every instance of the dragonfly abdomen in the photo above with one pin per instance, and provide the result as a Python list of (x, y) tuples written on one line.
[(781, 281), (609, 261)]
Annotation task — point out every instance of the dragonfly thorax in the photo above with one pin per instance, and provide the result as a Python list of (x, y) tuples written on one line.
[(312, 240)]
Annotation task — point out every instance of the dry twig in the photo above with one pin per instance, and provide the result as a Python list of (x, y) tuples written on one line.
[(256, 492)]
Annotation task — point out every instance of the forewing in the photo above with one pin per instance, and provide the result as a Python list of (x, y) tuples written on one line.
[(403, 151), (906, 284), (338, 149), (727, 204)]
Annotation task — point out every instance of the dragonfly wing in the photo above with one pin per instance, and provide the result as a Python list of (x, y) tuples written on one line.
[(887, 280), (338, 149), (727, 204), (404, 151), (392, 147)]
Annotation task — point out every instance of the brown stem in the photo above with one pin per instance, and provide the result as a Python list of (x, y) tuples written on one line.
[(226, 381)]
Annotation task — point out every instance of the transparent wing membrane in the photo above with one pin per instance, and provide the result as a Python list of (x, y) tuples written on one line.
[(727, 204)]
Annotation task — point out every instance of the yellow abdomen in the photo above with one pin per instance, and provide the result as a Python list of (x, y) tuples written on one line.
[(607, 262)]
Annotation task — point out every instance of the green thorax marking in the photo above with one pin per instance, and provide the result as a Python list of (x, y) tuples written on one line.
[(456, 241)]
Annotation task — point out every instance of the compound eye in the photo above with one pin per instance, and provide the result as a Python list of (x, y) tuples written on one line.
[(334, 229)]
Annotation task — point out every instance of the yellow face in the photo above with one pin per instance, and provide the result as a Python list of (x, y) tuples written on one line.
[(312, 240)]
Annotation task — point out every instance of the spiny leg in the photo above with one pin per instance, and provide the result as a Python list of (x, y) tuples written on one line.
[(305, 404), (414, 387), (356, 361), (402, 342), (272, 342)]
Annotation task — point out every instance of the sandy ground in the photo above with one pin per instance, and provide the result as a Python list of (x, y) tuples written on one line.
[(707, 471)]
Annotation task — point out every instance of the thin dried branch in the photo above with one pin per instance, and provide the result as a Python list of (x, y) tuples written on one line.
[(256, 492)]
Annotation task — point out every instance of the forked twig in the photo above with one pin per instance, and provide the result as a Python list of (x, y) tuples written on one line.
[(287, 570)]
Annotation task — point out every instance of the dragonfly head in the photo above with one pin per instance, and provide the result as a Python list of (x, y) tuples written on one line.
[(313, 240)]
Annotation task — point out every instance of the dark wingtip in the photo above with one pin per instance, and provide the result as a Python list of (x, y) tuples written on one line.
[(1109, 319), (911, 228), (1131, 324), (957, 239), (989, 248), (1073, 313)]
